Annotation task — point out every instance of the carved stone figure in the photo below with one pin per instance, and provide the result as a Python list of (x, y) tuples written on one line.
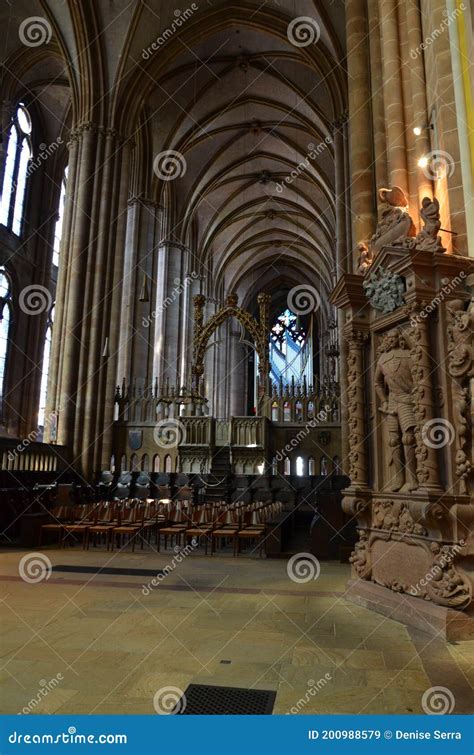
[(394, 385), (395, 224), (461, 370), (365, 259), (428, 238), (385, 290)]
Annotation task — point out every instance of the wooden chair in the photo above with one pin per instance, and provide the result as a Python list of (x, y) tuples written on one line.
[(253, 530), (129, 525), (227, 526), (105, 521), (200, 527), (60, 514), (179, 523), (79, 525)]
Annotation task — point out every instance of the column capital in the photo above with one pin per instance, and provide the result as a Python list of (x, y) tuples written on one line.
[(141, 199), (169, 243)]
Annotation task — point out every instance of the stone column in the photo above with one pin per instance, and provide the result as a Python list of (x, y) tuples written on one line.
[(360, 124), (168, 307), (80, 234), (210, 360), (393, 95), (113, 302), (221, 373), (192, 287), (356, 404), (137, 326), (378, 113), (237, 374), (98, 174), (340, 191), (54, 376), (416, 67)]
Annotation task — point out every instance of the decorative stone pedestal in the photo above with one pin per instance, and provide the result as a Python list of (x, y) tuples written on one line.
[(436, 621), (409, 323)]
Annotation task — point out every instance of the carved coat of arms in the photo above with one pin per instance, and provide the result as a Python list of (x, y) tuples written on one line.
[(385, 290)]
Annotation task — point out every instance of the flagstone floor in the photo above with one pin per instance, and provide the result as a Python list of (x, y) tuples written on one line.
[(79, 643)]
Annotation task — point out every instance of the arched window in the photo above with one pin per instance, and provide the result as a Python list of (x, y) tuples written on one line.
[(289, 349), (44, 375), (5, 320), (299, 466), (58, 228), (16, 170)]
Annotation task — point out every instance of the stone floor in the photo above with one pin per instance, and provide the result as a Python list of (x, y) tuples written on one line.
[(80, 643)]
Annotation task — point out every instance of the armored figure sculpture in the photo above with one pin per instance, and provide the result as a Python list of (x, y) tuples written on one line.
[(394, 385)]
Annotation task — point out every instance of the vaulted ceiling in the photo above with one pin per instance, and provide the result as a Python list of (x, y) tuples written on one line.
[(241, 95)]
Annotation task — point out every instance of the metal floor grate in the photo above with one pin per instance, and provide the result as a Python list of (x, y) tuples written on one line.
[(203, 699)]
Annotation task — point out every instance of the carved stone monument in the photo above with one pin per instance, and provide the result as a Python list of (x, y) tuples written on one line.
[(394, 387), (410, 369)]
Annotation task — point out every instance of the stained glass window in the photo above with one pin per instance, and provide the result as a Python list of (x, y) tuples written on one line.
[(289, 349)]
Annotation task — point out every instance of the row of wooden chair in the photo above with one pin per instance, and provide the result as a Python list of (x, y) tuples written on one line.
[(220, 524), (121, 523), (111, 522)]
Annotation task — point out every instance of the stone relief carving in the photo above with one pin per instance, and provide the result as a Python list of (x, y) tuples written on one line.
[(395, 224), (355, 408), (395, 516), (422, 369), (385, 289), (394, 387), (428, 238), (461, 369), (448, 586), (360, 557)]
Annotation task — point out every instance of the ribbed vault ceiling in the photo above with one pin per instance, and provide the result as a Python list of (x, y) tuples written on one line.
[(230, 92)]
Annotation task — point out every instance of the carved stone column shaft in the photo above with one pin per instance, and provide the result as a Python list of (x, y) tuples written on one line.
[(357, 428)]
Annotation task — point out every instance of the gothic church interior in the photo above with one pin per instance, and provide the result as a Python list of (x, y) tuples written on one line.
[(236, 354)]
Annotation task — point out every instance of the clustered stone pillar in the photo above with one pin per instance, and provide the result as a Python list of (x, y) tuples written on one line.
[(193, 283), (414, 64), (169, 309), (377, 98), (85, 337), (340, 191), (393, 97), (238, 363), (138, 313), (360, 123)]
